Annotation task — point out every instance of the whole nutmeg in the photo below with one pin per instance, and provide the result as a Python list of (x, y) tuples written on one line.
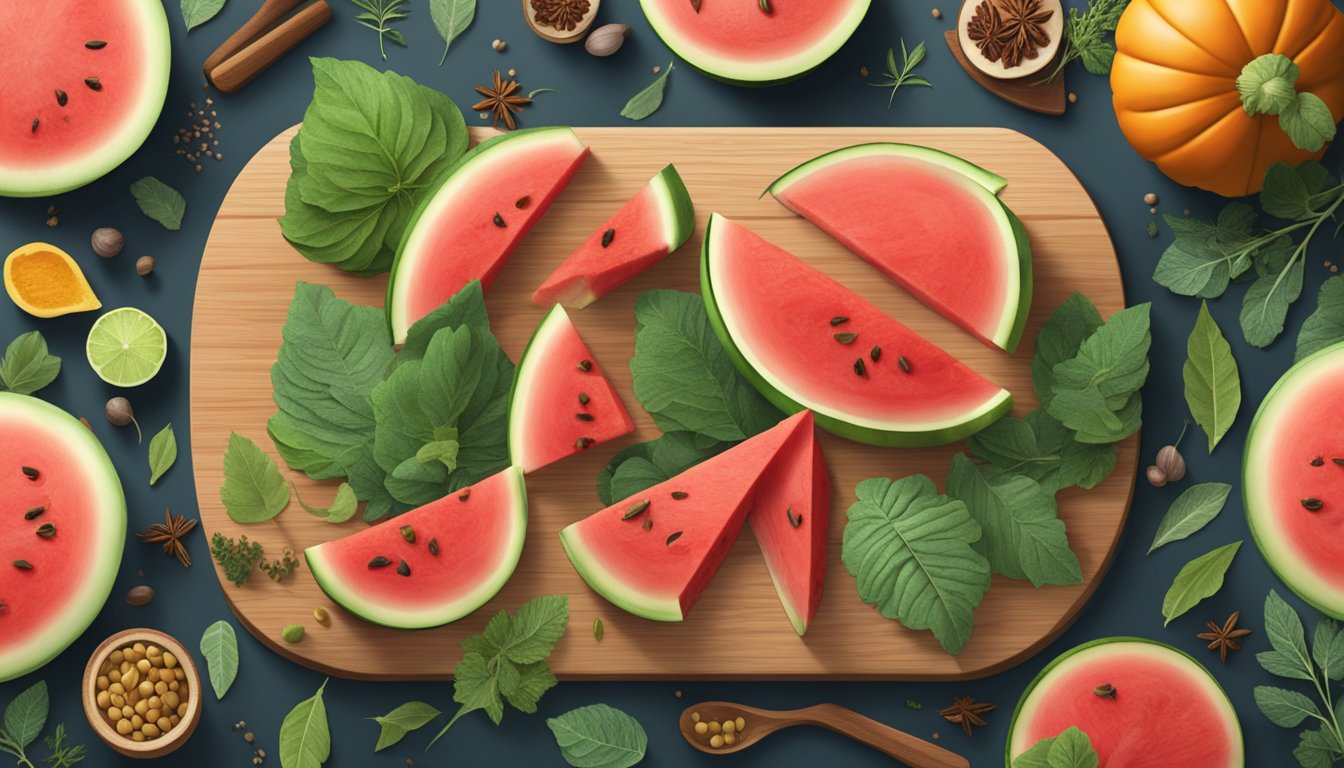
[(107, 242), (144, 265), (140, 596), (606, 39), (1170, 461), (1156, 477)]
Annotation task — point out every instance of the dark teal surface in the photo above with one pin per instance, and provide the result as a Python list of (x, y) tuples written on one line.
[(592, 92)]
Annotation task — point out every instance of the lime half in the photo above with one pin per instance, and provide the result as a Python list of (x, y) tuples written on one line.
[(126, 347)]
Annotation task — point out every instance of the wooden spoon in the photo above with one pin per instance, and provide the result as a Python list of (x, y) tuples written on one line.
[(760, 723)]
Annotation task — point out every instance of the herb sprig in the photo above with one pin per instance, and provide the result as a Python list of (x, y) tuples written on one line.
[(1323, 745), (1087, 37), (904, 74), (378, 15), (24, 719)]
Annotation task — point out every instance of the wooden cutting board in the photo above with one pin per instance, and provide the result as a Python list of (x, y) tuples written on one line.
[(738, 629)]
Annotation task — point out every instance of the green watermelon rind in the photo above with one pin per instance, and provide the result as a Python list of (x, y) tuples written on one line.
[(106, 486), (438, 615), (1285, 564), (555, 320), (1063, 658), (675, 207), (754, 75), (610, 587), (1014, 323), (892, 438)]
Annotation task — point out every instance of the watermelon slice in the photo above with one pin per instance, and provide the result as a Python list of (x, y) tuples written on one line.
[(432, 565), (1293, 481), (790, 518), (655, 222), (928, 220), (468, 228), (783, 323), (743, 44), (61, 535), (83, 83), (561, 402), (655, 552), (1166, 709)]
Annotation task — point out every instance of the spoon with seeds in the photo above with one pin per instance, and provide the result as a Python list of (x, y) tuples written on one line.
[(720, 727)]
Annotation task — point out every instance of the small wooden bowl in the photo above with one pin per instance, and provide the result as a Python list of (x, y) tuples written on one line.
[(142, 750), (561, 36)]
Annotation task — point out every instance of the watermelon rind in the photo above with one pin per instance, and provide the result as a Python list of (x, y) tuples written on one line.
[(1210, 683), (526, 382), (613, 588), (104, 485), (675, 206), (992, 182), (762, 72), (1320, 593)]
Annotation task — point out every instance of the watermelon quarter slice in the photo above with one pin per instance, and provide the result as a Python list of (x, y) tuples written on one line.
[(432, 565), (1293, 479), (655, 552), (61, 535), (468, 228), (929, 221), (561, 402), (656, 222), (806, 341)]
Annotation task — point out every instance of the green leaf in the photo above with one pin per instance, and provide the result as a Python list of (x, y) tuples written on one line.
[(466, 308), (1097, 55), (253, 490), (26, 715), (442, 451), (1195, 508), (1327, 649), (1205, 257), (1285, 193), (1318, 748), (1284, 708), (1266, 84), (644, 465), (1265, 308), (1070, 749), (342, 508), (411, 716), (27, 366), (535, 629), (451, 18), (1198, 579), (910, 552), (162, 453), (1113, 360), (305, 739), (1044, 450), (1308, 122), (1325, 326), (1212, 383), (1059, 340), (159, 202), (197, 12), (219, 648), (1289, 640), (599, 736), (647, 101)]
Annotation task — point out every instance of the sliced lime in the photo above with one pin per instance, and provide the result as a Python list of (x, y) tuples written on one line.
[(126, 347)]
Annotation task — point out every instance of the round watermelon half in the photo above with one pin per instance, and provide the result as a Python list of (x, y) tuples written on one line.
[(1293, 479), (83, 83), (432, 565), (912, 211), (740, 42), (61, 535), (782, 322), (1164, 709)]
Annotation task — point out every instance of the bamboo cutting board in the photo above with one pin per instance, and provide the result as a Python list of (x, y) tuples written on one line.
[(738, 629)]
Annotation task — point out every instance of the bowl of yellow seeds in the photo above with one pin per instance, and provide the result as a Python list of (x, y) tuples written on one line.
[(142, 693)]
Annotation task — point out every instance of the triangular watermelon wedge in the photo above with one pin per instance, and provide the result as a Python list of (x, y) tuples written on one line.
[(655, 552), (654, 223)]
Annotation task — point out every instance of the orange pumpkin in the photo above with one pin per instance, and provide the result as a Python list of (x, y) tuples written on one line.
[(1175, 74)]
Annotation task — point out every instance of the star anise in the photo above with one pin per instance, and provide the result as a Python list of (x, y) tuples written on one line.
[(564, 15), (503, 99), (986, 30), (170, 533), (1224, 638), (1023, 30), (966, 712)]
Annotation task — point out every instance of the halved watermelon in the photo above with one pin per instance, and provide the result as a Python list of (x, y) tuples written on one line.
[(561, 402), (655, 222), (83, 83), (61, 535), (929, 221), (432, 565), (751, 43), (1293, 479), (655, 552), (787, 327), (1162, 708), (791, 518), (468, 228)]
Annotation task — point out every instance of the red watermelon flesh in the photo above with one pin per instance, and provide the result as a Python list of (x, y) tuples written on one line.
[(659, 571), (562, 403), (791, 521), (466, 545)]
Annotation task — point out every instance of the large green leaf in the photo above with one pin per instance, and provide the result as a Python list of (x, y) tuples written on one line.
[(599, 736), (1212, 382), (1325, 326), (1195, 508), (219, 648), (644, 465), (1198, 579), (253, 489), (305, 738)]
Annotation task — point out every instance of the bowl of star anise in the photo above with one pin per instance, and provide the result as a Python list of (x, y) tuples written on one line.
[(560, 21), (1011, 39)]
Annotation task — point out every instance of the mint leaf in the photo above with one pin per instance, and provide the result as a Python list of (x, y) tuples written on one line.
[(1113, 360), (1325, 326), (1205, 257), (159, 202), (27, 366), (26, 715), (525, 689), (342, 508), (599, 736), (1308, 122), (1284, 629), (253, 490), (1318, 749), (305, 738), (219, 648), (644, 465), (411, 716), (162, 453), (1044, 450), (1327, 649), (1070, 749), (466, 308), (1284, 708), (1195, 508), (1264, 311), (1212, 383), (1198, 579), (451, 18), (647, 101), (1059, 340), (197, 12), (1285, 193), (1266, 84)]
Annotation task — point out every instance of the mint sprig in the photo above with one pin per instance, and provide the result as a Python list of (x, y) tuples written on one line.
[(1268, 86), (1070, 749), (1323, 745)]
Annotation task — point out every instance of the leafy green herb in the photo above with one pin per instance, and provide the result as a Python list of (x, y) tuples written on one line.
[(305, 738), (162, 453), (159, 202), (647, 101), (599, 736), (27, 366), (1325, 326), (507, 662), (219, 648), (1195, 508), (411, 716), (63, 756), (342, 508), (1096, 393), (912, 704), (1152, 230), (451, 18), (911, 552), (282, 567), (1042, 449), (378, 15), (197, 12), (1267, 85), (1070, 749), (1087, 37), (1212, 383), (904, 74), (236, 557), (24, 719), (644, 465), (253, 490), (1198, 579), (1322, 746)]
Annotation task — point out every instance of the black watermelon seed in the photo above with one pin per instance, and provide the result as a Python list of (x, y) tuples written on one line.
[(859, 368), (434, 547), (47, 530), (379, 562), (607, 237), (1319, 461), (463, 496), (95, 45), (839, 320), (499, 221), (31, 473), (583, 398), (846, 338), (34, 513), (636, 510), (679, 495), (583, 442), (34, 128), (403, 569), (673, 538), (585, 365), (94, 83), (1313, 505), (61, 97), (523, 202), (23, 565), (584, 416), (905, 364)]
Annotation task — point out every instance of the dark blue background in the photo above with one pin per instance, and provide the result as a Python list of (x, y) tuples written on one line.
[(591, 92)]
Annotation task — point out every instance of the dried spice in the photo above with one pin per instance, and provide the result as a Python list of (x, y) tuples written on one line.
[(985, 29), (170, 533), (198, 141), (503, 99), (1009, 31), (563, 15), (1224, 638), (966, 712)]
